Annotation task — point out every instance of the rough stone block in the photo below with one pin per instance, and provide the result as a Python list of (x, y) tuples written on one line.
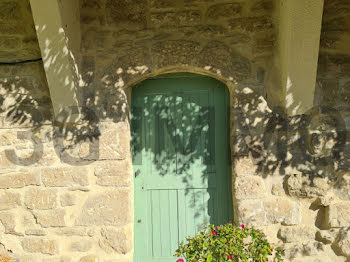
[(9, 43), (306, 186), (252, 24), (81, 245), (44, 246), (61, 177), (117, 239), (114, 140), (40, 198), (342, 187), (9, 200), (249, 187), (124, 12), (251, 212), (282, 210), (296, 234), (339, 214), (10, 11), (174, 52), (223, 11), (110, 208), (19, 179), (113, 168), (175, 19), (245, 166), (67, 200), (344, 242), (218, 57), (50, 218), (8, 221)]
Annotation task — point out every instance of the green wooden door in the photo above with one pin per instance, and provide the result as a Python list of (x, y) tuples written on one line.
[(181, 161)]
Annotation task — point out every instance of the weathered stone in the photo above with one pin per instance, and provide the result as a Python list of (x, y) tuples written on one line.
[(114, 180), (163, 3), (223, 11), (35, 232), (8, 221), (11, 11), (312, 248), (175, 19), (217, 56), (9, 43), (67, 200), (121, 168), (244, 166), (110, 208), (262, 6), (339, 215), (50, 218), (249, 187), (60, 177), (114, 140), (305, 186), (325, 236), (40, 198), (282, 210), (342, 187), (277, 190), (325, 200), (81, 245), (251, 212), (44, 246), (18, 180), (9, 200), (252, 24), (75, 231), (124, 12), (89, 258), (119, 240), (168, 53), (344, 242), (296, 234)]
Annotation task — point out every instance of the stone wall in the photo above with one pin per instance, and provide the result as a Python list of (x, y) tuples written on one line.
[(72, 199)]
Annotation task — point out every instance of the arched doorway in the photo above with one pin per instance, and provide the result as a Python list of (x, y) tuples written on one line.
[(181, 160)]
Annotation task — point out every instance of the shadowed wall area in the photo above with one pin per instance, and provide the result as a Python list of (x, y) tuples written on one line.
[(67, 188)]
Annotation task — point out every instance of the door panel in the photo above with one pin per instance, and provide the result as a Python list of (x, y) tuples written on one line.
[(180, 147)]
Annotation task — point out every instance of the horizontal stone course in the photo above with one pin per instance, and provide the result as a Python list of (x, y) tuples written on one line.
[(44, 246), (269, 211), (63, 177), (19, 180)]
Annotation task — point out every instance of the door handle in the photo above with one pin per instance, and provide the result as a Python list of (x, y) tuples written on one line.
[(137, 172)]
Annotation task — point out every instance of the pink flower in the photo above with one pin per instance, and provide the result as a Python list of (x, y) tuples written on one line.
[(271, 249), (180, 260), (229, 257), (242, 226), (214, 232)]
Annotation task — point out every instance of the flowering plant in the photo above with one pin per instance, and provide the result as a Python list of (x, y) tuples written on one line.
[(228, 243)]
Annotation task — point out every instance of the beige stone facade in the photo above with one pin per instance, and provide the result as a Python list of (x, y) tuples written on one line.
[(66, 188)]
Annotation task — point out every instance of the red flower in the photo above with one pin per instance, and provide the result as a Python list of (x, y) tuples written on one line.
[(180, 260), (242, 226), (272, 250), (229, 257), (214, 232)]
